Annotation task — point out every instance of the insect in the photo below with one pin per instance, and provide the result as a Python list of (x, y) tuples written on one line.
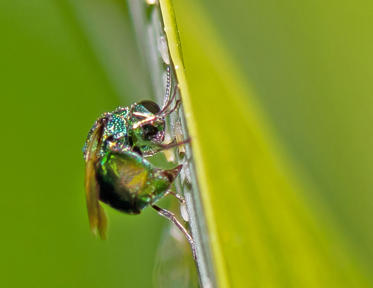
[(117, 171)]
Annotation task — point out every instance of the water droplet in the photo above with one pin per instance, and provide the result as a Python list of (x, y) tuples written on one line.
[(168, 153), (163, 50), (184, 212), (151, 2)]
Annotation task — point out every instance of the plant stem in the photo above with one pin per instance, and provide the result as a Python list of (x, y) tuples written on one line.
[(155, 45)]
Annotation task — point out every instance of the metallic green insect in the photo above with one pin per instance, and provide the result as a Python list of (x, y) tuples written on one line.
[(117, 171)]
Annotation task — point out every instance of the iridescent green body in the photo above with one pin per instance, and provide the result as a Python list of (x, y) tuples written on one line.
[(120, 133), (117, 172), (129, 183)]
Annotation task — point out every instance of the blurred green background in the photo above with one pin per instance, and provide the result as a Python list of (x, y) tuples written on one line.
[(65, 62)]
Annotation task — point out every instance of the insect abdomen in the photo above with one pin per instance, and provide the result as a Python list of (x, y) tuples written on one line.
[(129, 183)]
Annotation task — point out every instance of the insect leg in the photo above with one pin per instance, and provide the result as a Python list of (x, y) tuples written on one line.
[(148, 120), (171, 216), (177, 196), (172, 144), (161, 147), (161, 114)]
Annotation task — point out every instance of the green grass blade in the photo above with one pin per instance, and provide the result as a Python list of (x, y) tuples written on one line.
[(150, 26), (264, 232)]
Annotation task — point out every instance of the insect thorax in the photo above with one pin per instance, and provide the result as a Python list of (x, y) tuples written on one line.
[(119, 134)]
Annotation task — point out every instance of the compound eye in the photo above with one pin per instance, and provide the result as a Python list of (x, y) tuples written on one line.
[(149, 131), (151, 106)]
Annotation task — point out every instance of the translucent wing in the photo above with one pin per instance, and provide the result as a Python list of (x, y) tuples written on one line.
[(96, 214)]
